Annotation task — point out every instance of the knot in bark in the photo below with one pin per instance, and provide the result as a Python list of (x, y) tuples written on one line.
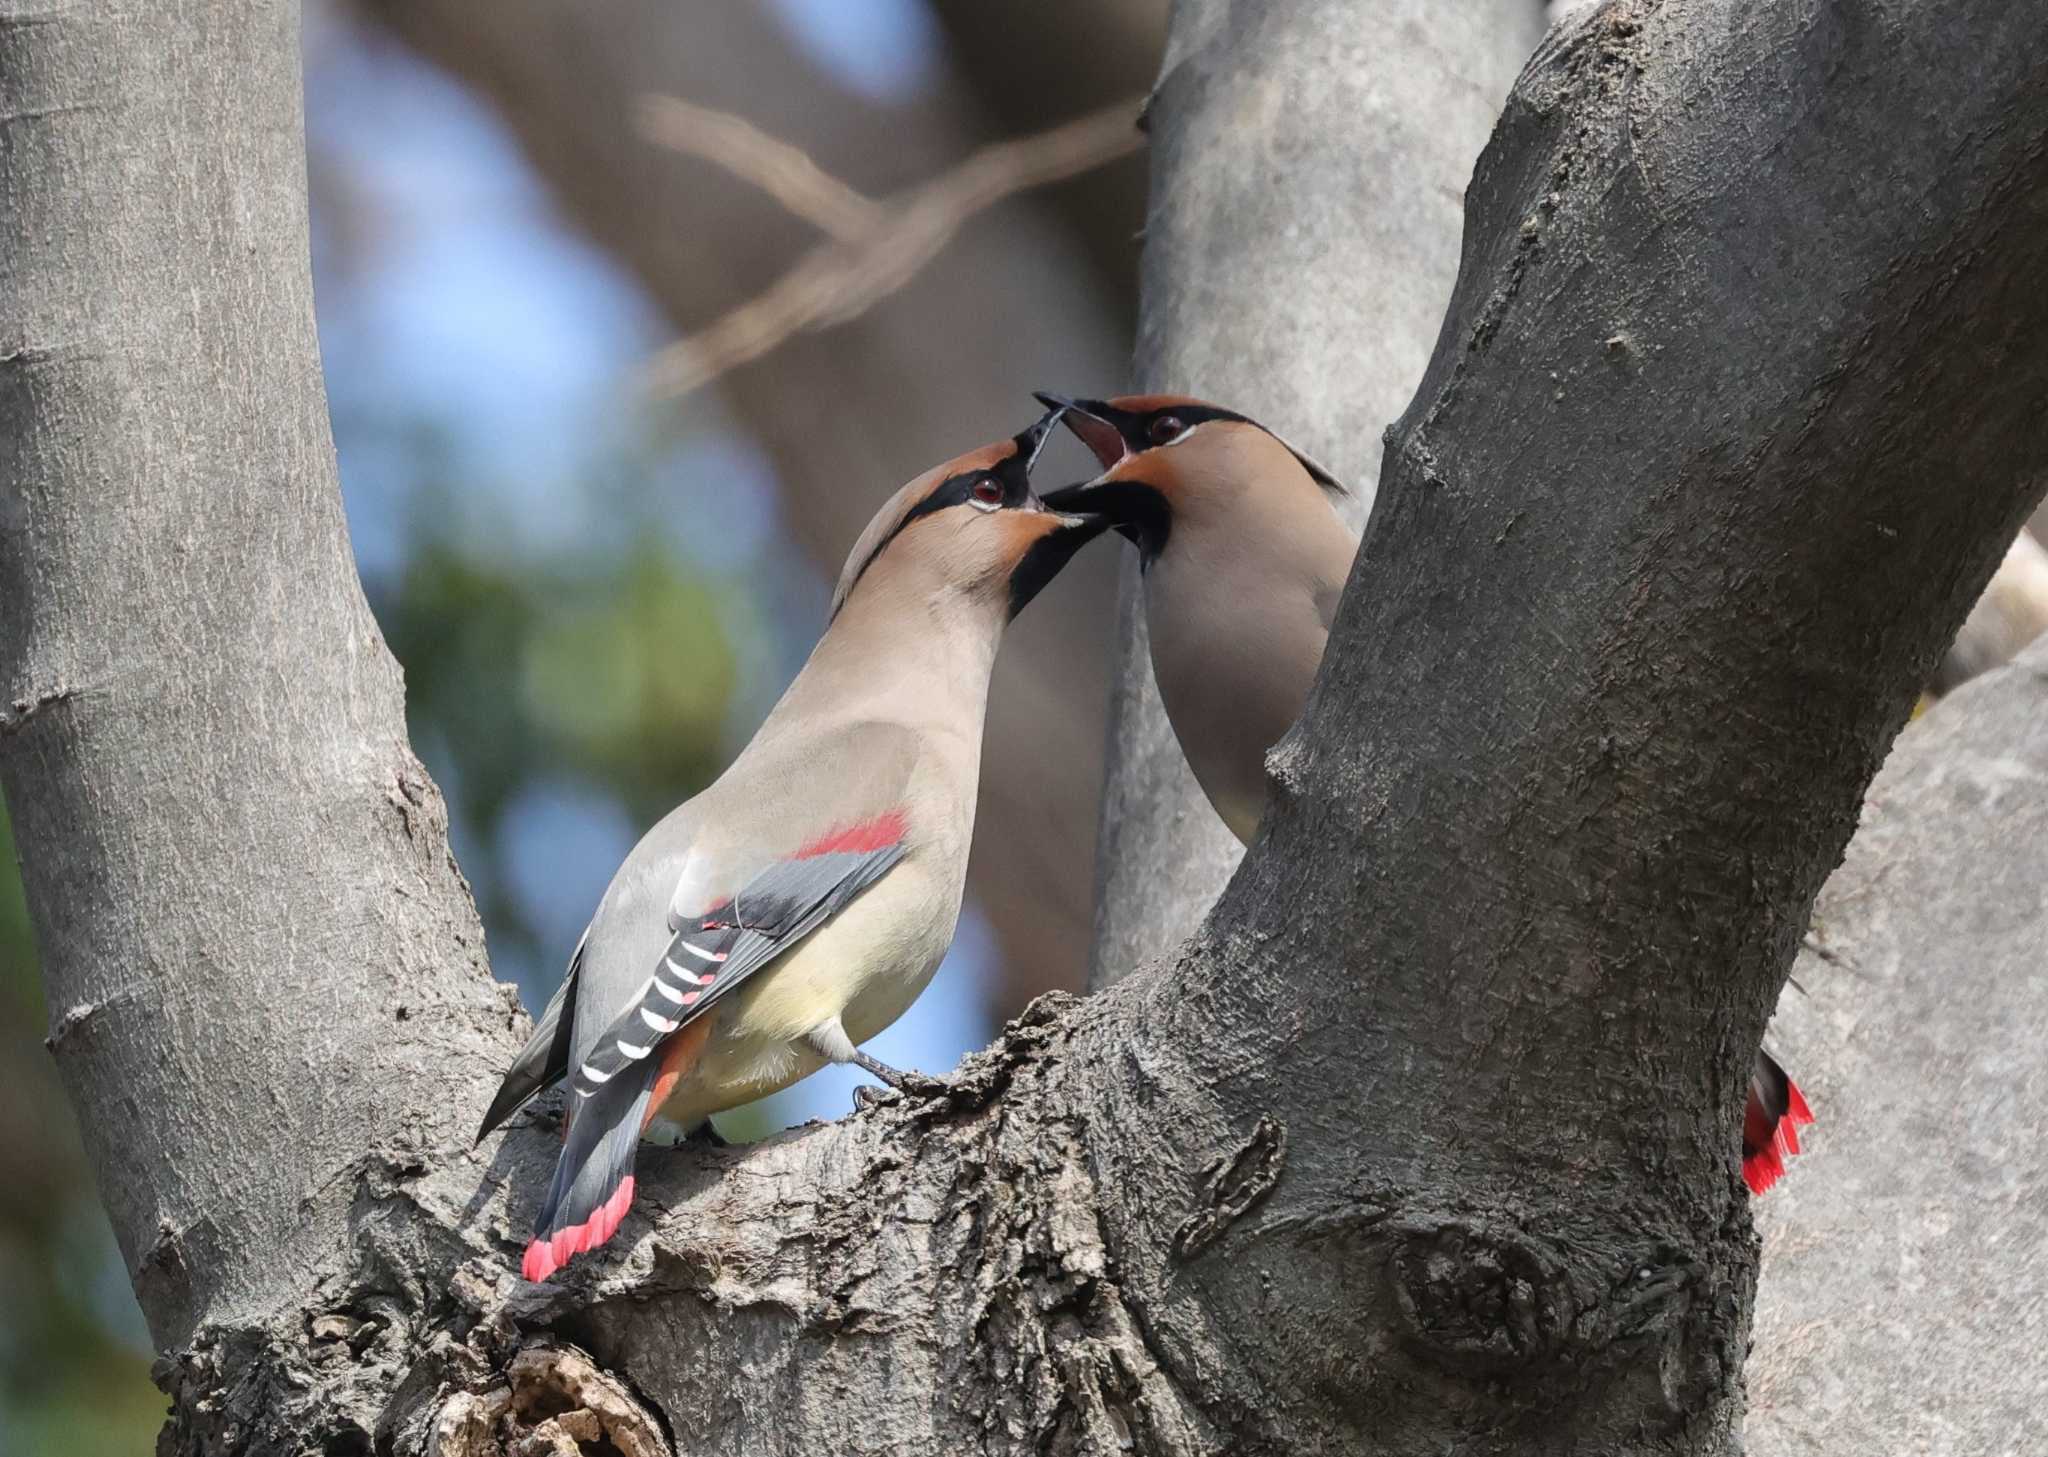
[(1479, 1297), (1233, 1184)]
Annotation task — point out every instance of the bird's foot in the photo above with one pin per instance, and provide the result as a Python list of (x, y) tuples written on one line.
[(867, 1095), (674, 1136), (910, 1084)]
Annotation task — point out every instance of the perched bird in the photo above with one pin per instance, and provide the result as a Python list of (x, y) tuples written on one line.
[(799, 904), (1244, 557)]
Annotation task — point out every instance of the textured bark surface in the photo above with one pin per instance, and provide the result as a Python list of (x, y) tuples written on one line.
[(262, 964), (1359, 124), (1426, 1142)]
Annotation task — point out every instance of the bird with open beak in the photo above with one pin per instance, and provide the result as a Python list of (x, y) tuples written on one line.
[(1244, 557), (798, 905)]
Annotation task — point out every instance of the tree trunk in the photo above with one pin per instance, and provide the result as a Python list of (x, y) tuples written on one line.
[(263, 965), (1361, 123), (1426, 1142)]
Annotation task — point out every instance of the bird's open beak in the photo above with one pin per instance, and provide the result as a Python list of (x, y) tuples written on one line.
[(1029, 445), (1031, 440), (1089, 420), (1099, 499), (1064, 532), (1136, 509)]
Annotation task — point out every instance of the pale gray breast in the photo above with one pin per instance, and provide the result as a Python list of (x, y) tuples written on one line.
[(1234, 669)]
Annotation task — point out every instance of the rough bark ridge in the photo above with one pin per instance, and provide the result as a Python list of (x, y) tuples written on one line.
[(1425, 1143), (1362, 122)]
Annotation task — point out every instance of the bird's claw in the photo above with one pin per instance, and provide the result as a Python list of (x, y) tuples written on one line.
[(920, 1085), (867, 1095), (910, 1084)]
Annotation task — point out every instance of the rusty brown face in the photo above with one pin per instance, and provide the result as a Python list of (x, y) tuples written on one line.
[(975, 522), (1168, 457)]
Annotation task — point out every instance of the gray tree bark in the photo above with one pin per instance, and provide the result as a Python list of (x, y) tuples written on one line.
[(1426, 1142), (1319, 327), (262, 962)]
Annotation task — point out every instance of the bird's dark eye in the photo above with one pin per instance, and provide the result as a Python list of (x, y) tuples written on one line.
[(988, 491), (1166, 427)]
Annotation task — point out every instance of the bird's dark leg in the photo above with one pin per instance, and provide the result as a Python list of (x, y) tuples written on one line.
[(914, 1084), (832, 1043)]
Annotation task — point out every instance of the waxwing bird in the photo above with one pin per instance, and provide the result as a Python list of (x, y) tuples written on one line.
[(799, 904), (1244, 557)]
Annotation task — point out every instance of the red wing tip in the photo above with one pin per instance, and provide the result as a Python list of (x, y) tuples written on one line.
[(878, 833), (1761, 1170), (545, 1256)]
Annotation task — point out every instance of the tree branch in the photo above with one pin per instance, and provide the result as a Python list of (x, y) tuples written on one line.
[(1665, 545), (237, 872), (1425, 1143), (876, 248), (784, 172)]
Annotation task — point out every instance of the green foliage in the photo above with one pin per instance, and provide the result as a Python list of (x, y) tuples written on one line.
[(614, 674)]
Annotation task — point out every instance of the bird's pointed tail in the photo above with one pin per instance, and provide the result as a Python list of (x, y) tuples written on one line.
[(593, 1184), (1770, 1123)]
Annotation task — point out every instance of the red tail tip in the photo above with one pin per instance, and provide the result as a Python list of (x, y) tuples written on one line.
[(1760, 1170), (545, 1256), (1763, 1157), (1795, 1104)]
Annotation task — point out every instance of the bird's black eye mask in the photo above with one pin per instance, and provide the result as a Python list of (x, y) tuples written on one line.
[(1004, 486), (1138, 431), (1150, 429)]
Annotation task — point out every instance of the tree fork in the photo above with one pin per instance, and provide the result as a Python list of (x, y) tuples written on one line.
[(1425, 1140)]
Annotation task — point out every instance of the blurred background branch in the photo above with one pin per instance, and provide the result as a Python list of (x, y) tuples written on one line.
[(876, 247)]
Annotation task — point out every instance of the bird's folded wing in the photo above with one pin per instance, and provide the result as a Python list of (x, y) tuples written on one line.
[(713, 952)]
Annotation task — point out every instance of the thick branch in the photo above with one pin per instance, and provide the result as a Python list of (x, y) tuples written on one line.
[(1665, 546), (262, 961)]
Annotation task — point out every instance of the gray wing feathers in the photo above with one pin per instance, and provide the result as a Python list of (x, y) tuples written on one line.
[(711, 956)]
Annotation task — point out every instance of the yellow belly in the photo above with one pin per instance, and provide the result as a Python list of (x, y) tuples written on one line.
[(864, 967)]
